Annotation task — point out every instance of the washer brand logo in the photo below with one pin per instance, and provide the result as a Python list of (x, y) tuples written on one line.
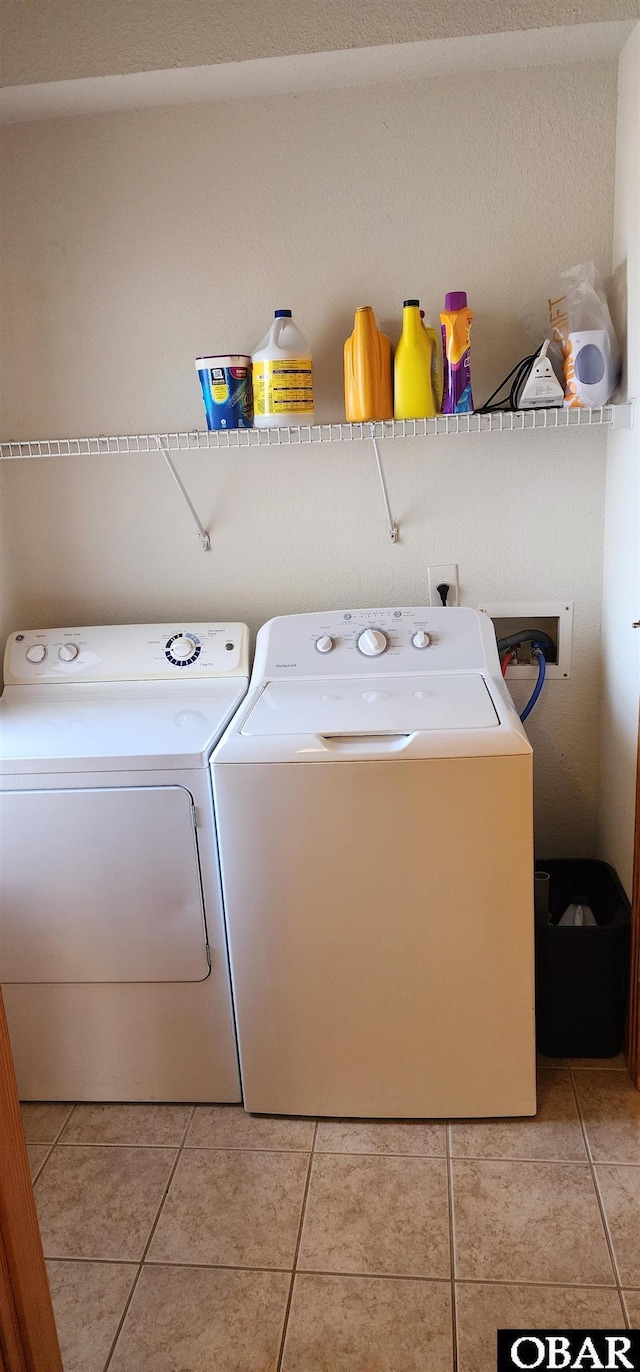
[(586, 1350), (286, 664)]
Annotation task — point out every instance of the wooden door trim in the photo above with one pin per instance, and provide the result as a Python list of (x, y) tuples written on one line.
[(28, 1337), (11, 1351)]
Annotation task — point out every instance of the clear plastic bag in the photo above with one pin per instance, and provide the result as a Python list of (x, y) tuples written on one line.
[(580, 323), (584, 348)]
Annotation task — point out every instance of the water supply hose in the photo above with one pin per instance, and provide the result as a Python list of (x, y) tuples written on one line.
[(536, 636), (536, 651)]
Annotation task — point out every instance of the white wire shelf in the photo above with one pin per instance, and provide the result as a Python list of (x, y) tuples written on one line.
[(609, 416), (167, 444)]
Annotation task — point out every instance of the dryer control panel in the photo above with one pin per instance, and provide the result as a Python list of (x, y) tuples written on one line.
[(127, 652), (398, 640)]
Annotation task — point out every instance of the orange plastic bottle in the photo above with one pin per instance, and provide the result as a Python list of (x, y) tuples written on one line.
[(368, 393)]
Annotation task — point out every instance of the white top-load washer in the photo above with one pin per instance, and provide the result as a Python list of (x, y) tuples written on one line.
[(113, 957), (374, 806)]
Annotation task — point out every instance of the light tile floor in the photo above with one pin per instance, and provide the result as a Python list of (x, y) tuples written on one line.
[(186, 1239)]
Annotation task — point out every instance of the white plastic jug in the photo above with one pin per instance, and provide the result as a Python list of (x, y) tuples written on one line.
[(282, 376), (576, 916)]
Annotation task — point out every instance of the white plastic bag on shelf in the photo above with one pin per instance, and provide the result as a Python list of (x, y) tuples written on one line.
[(580, 324)]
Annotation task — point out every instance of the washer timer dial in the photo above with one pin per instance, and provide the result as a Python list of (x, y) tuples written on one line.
[(36, 653), (373, 642), (182, 649)]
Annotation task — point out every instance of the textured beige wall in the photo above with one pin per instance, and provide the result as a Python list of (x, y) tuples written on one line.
[(9, 609), (54, 40), (621, 577), (135, 241)]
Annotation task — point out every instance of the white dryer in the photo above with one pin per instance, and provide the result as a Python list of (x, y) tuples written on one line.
[(374, 806), (113, 957)]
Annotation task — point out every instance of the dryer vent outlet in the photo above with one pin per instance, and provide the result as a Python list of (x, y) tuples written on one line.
[(554, 618)]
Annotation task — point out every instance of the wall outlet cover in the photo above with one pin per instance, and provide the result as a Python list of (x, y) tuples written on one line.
[(536, 614)]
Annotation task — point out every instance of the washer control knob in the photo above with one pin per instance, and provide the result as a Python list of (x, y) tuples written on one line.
[(36, 653), (421, 639), (372, 642), (68, 652), (325, 643), (182, 648)]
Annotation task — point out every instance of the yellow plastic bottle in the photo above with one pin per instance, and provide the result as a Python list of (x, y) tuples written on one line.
[(413, 386), (367, 370), (437, 373)]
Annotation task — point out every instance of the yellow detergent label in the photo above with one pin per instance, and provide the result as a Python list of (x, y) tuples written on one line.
[(220, 391), (284, 386)]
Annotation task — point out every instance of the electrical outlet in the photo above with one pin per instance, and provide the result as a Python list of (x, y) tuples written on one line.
[(445, 575)]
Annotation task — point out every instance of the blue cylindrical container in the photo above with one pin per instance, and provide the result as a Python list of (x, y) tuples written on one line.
[(226, 390)]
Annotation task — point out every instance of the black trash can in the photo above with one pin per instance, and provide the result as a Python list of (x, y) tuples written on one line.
[(582, 974)]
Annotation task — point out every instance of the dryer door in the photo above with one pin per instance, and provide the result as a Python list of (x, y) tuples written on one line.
[(100, 885)]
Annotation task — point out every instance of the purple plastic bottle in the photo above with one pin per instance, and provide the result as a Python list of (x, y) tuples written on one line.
[(456, 320)]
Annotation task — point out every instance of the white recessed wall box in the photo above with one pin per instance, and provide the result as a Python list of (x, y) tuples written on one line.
[(555, 617)]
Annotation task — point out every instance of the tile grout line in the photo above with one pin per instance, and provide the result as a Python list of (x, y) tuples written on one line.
[(330, 1272), (152, 1231), (201, 1147), (50, 1147), (66, 1122), (452, 1250), (446, 1281), (625, 1308), (328, 1152), (285, 1323), (52, 1142), (339, 1153), (97, 1143), (511, 1158), (375, 1153), (599, 1199)]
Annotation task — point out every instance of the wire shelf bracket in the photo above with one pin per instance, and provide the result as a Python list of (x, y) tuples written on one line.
[(163, 447), (392, 528)]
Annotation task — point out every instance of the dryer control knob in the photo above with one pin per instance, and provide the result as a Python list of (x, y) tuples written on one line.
[(324, 644), (36, 653), (421, 639), (182, 648), (68, 652), (372, 642)]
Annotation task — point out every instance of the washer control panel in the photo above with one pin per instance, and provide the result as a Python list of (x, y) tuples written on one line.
[(128, 652), (344, 643)]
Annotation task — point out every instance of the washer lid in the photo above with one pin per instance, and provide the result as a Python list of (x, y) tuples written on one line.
[(372, 705), (114, 727)]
